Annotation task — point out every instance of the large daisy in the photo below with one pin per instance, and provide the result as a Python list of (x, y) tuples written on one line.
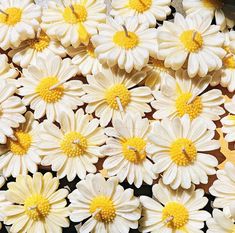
[(173, 211), (74, 21), (125, 43), (112, 93), (126, 149), (193, 42), (182, 95), (36, 205), (104, 206), (47, 88), (146, 10), (74, 148), (180, 150)]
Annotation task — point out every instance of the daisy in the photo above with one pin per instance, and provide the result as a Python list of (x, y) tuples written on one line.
[(145, 10), (73, 21), (126, 149), (173, 211), (104, 206), (3, 204), (126, 43), (182, 95), (36, 205), (19, 19), (112, 93), (47, 89), (193, 42), (28, 50), (179, 148), (209, 7), (74, 148), (20, 154)]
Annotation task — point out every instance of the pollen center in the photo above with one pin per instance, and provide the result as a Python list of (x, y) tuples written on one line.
[(126, 41), (213, 4), (73, 144), (229, 62), (117, 93), (191, 40), (40, 43), (183, 152), (12, 16), (75, 14), (102, 208), (46, 93), (175, 215), (140, 5), (133, 149), (90, 50), (37, 207)]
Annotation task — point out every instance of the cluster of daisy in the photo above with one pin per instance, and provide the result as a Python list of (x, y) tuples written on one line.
[(86, 84)]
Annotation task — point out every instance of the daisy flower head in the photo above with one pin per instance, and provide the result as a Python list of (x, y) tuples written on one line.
[(3, 204), (36, 204), (19, 19), (123, 42), (180, 150), (126, 149), (182, 95), (47, 88), (193, 42), (146, 10), (73, 149), (112, 93), (74, 21), (173, 211), (104, 206)]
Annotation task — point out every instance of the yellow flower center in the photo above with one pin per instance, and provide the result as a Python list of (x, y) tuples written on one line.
[(214, 4), (115, 93), (39, 44), (127, 42), (12, 16), (90, 50), (46, 91), (140, 5), (185, 106), (183, 152), (102, 208), (231, 118), (133, 149), (73, 144), (175, 215), (192, 40), (37, 207), (229, 62), (75, 14), (21, 145)]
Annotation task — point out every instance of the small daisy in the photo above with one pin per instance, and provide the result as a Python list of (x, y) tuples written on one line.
[(173, 211), (84, 56), (145, 10), (37, 205), (28, 50), (112, 93), (74, 21), (73, 149), (126, 43), (104, 206), (179, 148), (191, 41), (126, 149), (19, 19), (47, 89), (182, 95), (209, 7), (3, 204), (20, 155)]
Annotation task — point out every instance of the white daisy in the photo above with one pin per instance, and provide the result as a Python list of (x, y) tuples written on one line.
[(182, 95), (126, 149), (126, 43), (145, 10), (74, 148), (104, 206), (47, 88), (3, 204), (19, 19), (74, 21), (179, 148), (193, 42), (173, 211), (112, 93)]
